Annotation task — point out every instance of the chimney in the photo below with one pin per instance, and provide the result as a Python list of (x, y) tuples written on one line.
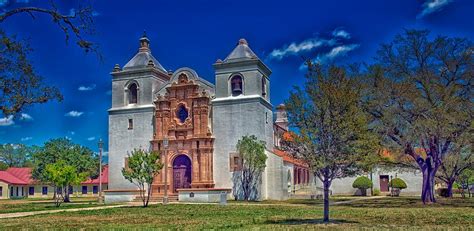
[(281, 117)]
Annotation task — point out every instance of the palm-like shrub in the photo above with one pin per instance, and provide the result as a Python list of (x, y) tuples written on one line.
[(362, 182)]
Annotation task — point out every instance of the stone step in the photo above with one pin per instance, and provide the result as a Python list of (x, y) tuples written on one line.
[(171, 198)]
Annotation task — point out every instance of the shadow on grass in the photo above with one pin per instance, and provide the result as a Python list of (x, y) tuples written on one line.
[(309, 222), (409, 202)]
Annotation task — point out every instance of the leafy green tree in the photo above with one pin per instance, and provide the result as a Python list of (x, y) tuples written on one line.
[(3, 166), (55, 150), (142, 167), (420, 97), (63, 176), (333, 133), (252, 155), (20, 85), (16, 155), (466, 180)]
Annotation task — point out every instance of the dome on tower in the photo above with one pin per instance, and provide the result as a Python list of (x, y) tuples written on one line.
[(144, 57), (241, 52)]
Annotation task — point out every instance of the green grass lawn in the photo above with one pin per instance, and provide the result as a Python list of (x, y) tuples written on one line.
[(28, 205), (385, 213)]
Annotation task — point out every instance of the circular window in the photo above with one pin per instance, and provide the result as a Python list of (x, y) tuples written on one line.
[(182, 113)]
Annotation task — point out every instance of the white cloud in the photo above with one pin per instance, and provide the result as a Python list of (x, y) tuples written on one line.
[(74, 113), (431, 6), (87, 88), (25, 117), (335, 52), (68, 138), (72, 133), (339, 32), (26, 138), (91, 138), (7, 121), (297, 48)]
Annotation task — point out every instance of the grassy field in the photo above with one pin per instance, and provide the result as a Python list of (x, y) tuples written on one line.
[(28, 205), (385, 213)]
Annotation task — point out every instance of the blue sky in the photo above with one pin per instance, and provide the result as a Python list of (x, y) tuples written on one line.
[(195, 34)]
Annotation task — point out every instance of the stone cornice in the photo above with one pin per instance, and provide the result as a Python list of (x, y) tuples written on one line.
[(220, 67), (132, 73), (128, 109), (244, 99)]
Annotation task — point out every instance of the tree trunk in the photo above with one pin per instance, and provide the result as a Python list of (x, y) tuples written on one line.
[(148, 195), (66, 194), (427, 192), (326, 185), (450, 188)]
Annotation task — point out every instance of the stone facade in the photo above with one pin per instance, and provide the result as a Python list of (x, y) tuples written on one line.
[(201, 121)]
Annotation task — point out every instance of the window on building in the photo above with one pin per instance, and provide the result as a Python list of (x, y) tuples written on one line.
[(45, 190), (31, 191), (130, 124), (17, 191), (95, 189), (264, 86), (11, 192), (182, 113), (69, 190), (84, 189), (133, 94), (1, 191), (236, 85), (235, 162)]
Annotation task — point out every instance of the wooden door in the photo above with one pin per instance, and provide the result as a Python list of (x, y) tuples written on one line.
[(384, 183)]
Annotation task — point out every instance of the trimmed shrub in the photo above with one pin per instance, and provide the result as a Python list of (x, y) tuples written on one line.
[(397, 183), (362, 182), (376, 192)]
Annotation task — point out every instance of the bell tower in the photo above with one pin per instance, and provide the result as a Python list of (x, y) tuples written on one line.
[(241, 107), (131, 116)]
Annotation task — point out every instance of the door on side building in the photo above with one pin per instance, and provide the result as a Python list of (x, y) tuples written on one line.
[(181, 172), (384, 183)]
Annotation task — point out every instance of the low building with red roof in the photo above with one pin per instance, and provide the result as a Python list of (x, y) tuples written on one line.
[(19, 183)]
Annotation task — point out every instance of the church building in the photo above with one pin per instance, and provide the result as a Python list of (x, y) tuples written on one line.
[(195, 125)]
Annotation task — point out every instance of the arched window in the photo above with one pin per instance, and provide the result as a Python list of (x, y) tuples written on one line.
[(236, 85), (182, 113), (132, 94), (264, 87)]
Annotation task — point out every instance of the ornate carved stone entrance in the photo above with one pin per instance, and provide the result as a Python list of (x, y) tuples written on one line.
[(182, 116)]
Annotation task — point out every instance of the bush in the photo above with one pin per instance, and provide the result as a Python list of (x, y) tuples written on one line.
[(362, 182), (443, 192), (376, 192), (398, 183)]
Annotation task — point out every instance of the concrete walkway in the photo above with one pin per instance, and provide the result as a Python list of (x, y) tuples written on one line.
[(25, 214)]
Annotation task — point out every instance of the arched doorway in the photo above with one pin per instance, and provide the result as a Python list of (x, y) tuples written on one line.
[(181, 172)]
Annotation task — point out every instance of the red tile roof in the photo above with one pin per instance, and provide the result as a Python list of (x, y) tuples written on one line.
[(105, 177), (290, 159), (22, 176), (10, 179)]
